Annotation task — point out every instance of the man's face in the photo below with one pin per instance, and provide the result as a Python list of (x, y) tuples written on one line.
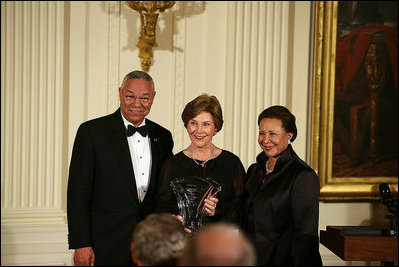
[(136, 98)]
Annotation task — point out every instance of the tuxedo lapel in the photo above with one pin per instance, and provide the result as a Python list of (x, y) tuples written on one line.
[(155, 154), (117, 134)]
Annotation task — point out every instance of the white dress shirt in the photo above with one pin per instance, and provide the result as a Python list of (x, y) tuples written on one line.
[(140, 154)]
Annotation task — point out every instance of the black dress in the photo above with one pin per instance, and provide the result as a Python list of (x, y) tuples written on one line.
[(282, 212), (226, 169)]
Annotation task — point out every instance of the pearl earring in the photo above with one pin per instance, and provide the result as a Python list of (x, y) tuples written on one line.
[(289, 142)]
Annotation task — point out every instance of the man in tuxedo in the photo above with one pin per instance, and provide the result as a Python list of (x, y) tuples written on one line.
[(113, 175)]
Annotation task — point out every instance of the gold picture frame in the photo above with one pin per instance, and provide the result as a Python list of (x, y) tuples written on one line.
[(322, 129)]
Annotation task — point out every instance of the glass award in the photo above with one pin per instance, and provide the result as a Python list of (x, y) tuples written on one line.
[(190, 193)]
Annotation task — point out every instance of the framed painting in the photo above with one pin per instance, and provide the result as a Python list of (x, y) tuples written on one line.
[(354, 132)]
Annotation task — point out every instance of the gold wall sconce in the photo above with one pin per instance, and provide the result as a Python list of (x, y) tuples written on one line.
[(149, 12)]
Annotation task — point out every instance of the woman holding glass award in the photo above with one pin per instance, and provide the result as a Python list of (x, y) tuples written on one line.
[(202, 172)]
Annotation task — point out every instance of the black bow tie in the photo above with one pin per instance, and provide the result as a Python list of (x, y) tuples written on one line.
[(143, 130)]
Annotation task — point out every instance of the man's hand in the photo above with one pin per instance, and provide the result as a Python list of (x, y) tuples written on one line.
[(84, 257)]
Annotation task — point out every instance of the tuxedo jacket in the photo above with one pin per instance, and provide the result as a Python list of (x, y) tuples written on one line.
[(102, 201), (282, 213)]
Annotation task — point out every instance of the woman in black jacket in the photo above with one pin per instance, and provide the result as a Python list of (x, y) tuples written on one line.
[(282, 196)]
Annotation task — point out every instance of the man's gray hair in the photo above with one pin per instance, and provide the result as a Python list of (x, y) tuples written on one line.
[(138, 74), (159, 240)]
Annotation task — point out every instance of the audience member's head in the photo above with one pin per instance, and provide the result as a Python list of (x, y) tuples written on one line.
[(219, 244), (158, 240)]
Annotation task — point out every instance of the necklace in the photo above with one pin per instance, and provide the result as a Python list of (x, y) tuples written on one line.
[(203, 163), (267, 169)]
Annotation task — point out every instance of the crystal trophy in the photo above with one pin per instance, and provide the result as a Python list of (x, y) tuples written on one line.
[(190, 193)]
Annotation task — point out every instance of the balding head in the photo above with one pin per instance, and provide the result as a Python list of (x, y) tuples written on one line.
[(219, 244)]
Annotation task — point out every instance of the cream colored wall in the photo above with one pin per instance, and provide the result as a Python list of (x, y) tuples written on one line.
[(62, 63)]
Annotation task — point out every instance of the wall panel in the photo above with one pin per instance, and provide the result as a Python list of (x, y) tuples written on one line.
[(32, 127), (256, 70), (31, 115)]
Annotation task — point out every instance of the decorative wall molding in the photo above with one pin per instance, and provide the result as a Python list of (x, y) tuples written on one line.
[(179, 42), (35, 245), (33, 229), (114, 25), (26, 216), (256, 69), (32, 106)]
